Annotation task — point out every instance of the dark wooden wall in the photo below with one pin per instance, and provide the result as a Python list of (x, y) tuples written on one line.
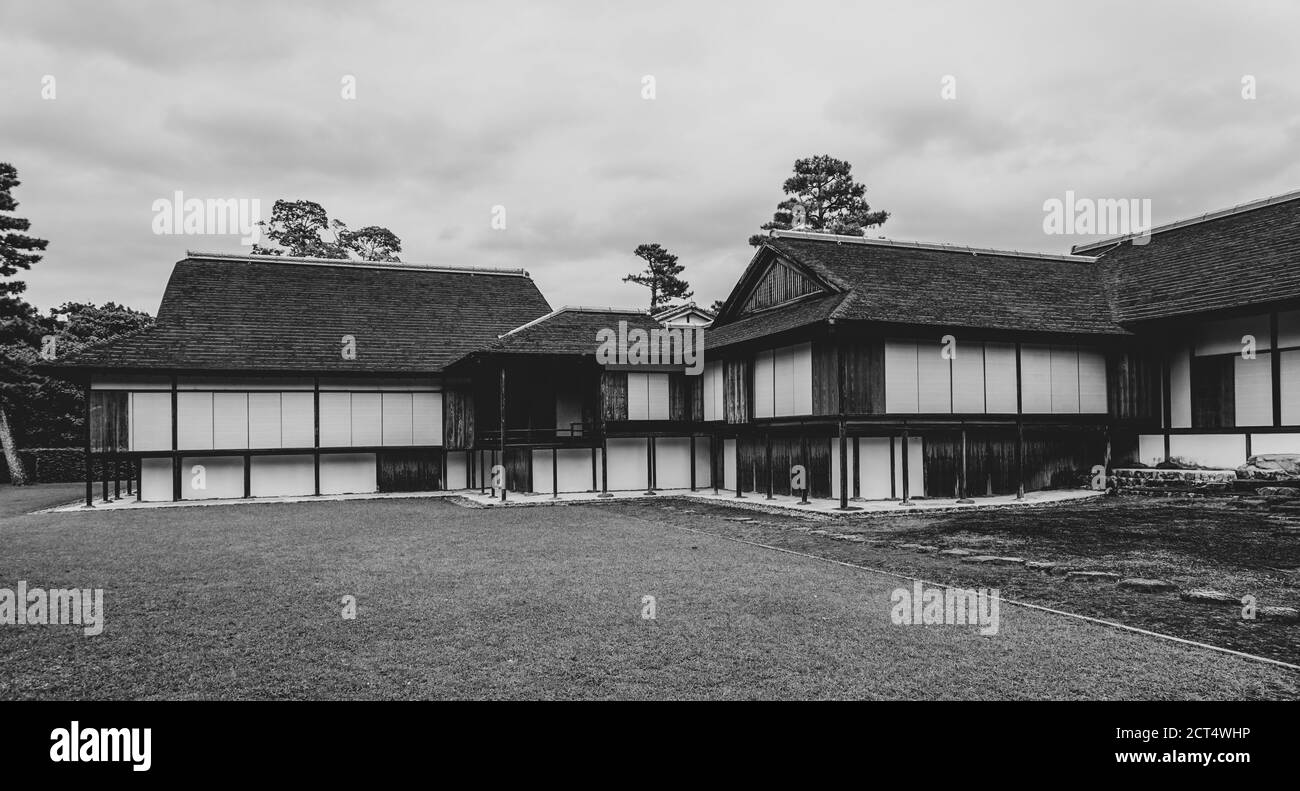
[(864, 376), (613, 395), (1133, 385), (737, 385), (457, 419), (786, 452), (408, 470), (1061, 459), (781, 283), (519, 469), (109, 429)]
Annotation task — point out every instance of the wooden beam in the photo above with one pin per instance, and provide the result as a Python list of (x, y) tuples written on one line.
[(90, 467), (555, 473), (1275, 361), (692, 461), (907, 484), (176, 457), (768, 464), (315, 419), (505, 476)]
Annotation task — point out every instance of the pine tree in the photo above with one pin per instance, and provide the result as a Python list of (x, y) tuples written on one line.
[(824, 198), (661, 275)]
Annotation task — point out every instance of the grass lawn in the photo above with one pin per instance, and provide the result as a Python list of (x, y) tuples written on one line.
[(1193, 544), (243, 601)]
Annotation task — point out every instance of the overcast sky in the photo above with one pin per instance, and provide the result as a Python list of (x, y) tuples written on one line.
[(538, 107)]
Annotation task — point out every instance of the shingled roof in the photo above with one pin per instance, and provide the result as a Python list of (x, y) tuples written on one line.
[(913, 283), (570, 331), (1247, 255), (259, 313)]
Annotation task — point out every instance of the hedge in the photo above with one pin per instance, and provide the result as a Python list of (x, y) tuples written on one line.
[(55, 465)]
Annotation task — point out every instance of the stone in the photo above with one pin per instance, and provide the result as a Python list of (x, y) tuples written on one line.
[(908, 546), (1271, 466), (858, 539), (1206, 596), (1092, 576), (979, 559), (1283, 492), (1040, 565), (1008, 561), (924, 548), (956, 552), (1284, 614), (1143, 585)]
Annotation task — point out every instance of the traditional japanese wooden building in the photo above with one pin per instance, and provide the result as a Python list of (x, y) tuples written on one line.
[(886, 369)]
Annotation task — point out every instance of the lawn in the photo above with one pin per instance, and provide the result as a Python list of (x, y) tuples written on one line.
[(244, 601), (1190, 543)]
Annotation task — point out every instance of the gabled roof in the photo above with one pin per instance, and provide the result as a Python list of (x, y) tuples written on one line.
[(571, 330), (677, 311), (1247, 255), (262, 313), (914, 283)]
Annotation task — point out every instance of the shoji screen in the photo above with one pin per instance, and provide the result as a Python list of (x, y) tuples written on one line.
[(1291, 387), (657, 397), (426, 409), (367, 428), (335, 420), (933, 378), (968, 378), (713, 409), (1036, 378), (194, 421), (264, 420), (396, 418), (1253, 390), (638, 397), (1065, 379), (901, 394), (1092, 381), (151, 421), (229, 420), (297, 420), (1000, 378)]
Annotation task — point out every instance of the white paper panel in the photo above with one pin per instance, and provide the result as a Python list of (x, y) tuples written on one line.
[(297, 420), (1065, 380), (151, 422), (1180, 387), (397, 419), (194, 421), (264, 420), (933, 378), (968, 378), (1291, 389), (367, 428), (783, 384), (658, 407), (1288, 329), (1092, 381), (1224, 337), (426, 409), (1036, 378), (801, 378), (335, 420), (229, 420), (1253, 390), (638, 397), (901, 394), (1000, 378)]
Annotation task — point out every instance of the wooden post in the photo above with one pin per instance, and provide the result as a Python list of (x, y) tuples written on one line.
[(807, 471), (844, 467), (1275, 361), (139, 479), (90, 467), (555, 473), (768, 459), (857, 470), (713, 460), (594, 485), (650, 465), (176, 456), (1020, 460), (964, 490), (724, 461), (907, 483), (692, 461), (315, 442), (117, 477), (505, 478), (248, 475)]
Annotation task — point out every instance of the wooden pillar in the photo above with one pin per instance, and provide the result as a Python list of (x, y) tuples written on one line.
[(768, 462), (315, 428), (604, 462), (714, 455), (248, 475), (724, 461), (964, 488), (1020, 460), (176, 456), (857, 470), (650, 465), (1275, 362), (555, 473), (844, 467), (90, 465), (117, 476), (907, 483), (807, 468), (692, 462), (139, 479), (594, 485), (505, 477)]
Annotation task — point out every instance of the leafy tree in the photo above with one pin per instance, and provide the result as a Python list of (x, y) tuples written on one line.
[(18, 320), (826, 199), (662, 275), (303, 228)]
